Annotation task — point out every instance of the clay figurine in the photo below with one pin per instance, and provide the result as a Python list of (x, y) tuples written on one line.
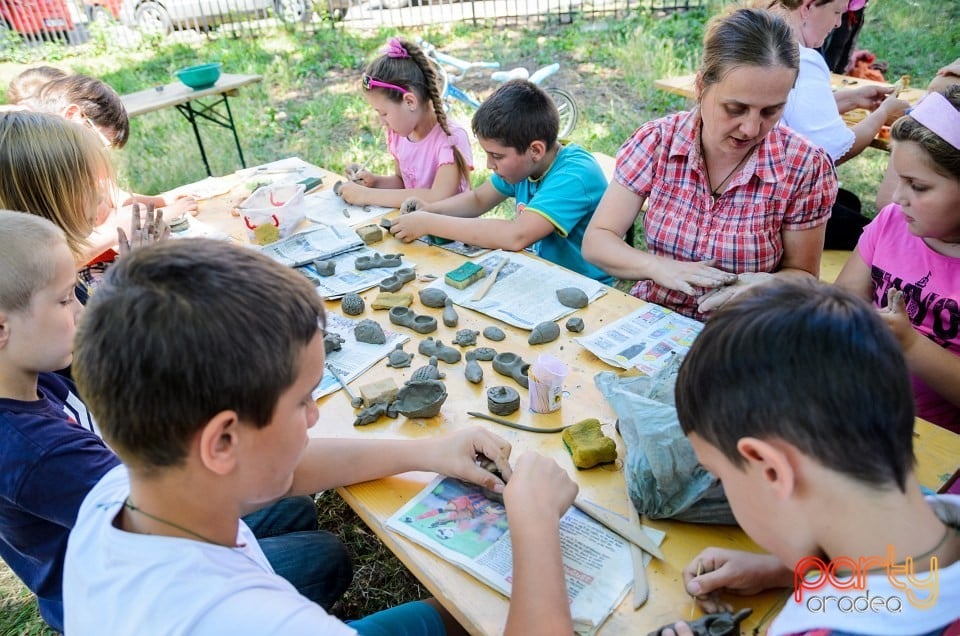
[(369, 332), (405, 274), (352, 304), (386, 223), (406, 317), (431, 347), (374, 412), (466, 337), (390, 284), (450, 315), (485, 354), (377, 260), (428, 372), (502, 400), (572, 297), (575, 324), (370, 234), (473, 371), (432, 297), (325, 268), (494, 333), (398, 358), (512, 366), (421, 398), (386, 300), (722, 624), (332, 342), (543, 333)]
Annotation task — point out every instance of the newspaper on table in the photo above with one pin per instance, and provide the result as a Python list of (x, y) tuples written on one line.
[(524, 293), (457, 522), (643, 339), (208, 188), (457, 247), (354, 357), (347, 277), (315, 243), (198, 229), (280, 172), (327, 207)]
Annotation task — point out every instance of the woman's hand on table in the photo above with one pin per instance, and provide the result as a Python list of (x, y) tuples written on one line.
[(151, 229), (411, 226), (686, 277), (456, 456), (716, 298), (716, 570)]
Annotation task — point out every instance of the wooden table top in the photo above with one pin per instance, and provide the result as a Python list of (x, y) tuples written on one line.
[(160, 97), (480, 609)]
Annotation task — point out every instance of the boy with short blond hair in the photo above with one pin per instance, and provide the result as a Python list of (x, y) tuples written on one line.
[(556, 187), (199, 359)]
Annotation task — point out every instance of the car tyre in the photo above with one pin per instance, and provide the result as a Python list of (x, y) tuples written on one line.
[(394, 4), (152, 17), (293, 11)]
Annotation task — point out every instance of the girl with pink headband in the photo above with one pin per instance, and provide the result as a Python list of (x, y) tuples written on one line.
[(432, 156), (907, 262)]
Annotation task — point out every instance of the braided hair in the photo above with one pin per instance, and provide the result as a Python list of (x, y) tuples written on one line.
[(405, 64)]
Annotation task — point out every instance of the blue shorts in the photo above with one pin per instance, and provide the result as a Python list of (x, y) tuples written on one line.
[(416, 618)]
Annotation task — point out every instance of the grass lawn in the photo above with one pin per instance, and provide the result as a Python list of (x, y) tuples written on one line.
[(309, 105)]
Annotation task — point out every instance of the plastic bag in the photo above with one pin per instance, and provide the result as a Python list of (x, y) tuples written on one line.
[(273, 212), (664, 478)]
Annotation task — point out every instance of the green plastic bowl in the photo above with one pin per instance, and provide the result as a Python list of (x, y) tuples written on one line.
[(200, 76)]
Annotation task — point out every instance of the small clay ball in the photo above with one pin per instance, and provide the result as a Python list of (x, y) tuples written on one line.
[(494, 333), (575, 324), (352, 304), (572, 297)]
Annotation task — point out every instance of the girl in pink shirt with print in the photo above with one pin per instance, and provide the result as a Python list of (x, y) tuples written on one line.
[(432, 155)]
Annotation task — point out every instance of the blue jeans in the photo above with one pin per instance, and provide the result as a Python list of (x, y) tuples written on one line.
[(410, 619), (314, 561)]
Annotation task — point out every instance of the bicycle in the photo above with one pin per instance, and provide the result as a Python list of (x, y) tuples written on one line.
[(566, 104)]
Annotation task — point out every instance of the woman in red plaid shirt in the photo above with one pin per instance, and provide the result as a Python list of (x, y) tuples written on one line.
[(732, 199)]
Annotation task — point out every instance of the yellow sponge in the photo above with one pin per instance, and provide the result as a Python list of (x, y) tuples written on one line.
[(588, 445)]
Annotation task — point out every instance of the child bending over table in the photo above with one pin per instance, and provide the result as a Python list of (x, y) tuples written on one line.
[(907, 262), (556, 187), (431, 154), (216, 425), (811, 433)]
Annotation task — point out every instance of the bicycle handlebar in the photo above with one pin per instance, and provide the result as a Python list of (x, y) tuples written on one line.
[(462, 65)]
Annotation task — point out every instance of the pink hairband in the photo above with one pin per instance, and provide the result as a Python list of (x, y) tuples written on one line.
[(940, 116), (394, 49)]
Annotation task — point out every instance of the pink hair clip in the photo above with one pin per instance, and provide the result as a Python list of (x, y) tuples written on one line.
[(940, 116), (394, 49)]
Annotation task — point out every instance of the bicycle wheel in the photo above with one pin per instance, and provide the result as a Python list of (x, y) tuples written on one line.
[(568, 109)]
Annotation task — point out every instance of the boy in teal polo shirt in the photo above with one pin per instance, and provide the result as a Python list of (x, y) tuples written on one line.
[(556, 187)]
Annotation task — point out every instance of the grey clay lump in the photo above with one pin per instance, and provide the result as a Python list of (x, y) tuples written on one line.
[(572, 297), (494, 333), (543, 333), (369, 332), (450, 315), (352, 304)]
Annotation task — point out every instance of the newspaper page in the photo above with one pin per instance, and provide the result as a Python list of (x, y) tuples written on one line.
[(643, 339), (456, 521), (315, 243), (347, 277), (354, 357), (328, 208), (280, 172), (534, 281)]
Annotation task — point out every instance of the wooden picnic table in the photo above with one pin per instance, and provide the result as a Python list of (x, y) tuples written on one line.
[(685, 85), (480, 609)]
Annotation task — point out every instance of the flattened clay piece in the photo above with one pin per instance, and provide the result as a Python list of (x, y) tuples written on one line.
[(428, 372), (382, 391), (421, 398), (431, 347), (390, 284), (450, 315), (433, 297), (405, 274), (587, 444), (465, 275), (494, 333), (374, 412), (387, 300), (485, 354), (473, 371), (573, 297), (370, 332), (398, 358), (722, 624), (386, 223), (325, 268), (466, 337), (370, 234), (352, 304), (543, 333), (575, 324), (377, 260), (332, 342), (502, 400), (512, 366), (406, 317)]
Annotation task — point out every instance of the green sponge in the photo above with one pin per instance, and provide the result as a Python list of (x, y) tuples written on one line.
[(465, 275), (588, 445)]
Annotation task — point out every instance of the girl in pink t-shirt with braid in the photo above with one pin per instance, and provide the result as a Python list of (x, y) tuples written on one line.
[(432, 155), (908, 260)]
